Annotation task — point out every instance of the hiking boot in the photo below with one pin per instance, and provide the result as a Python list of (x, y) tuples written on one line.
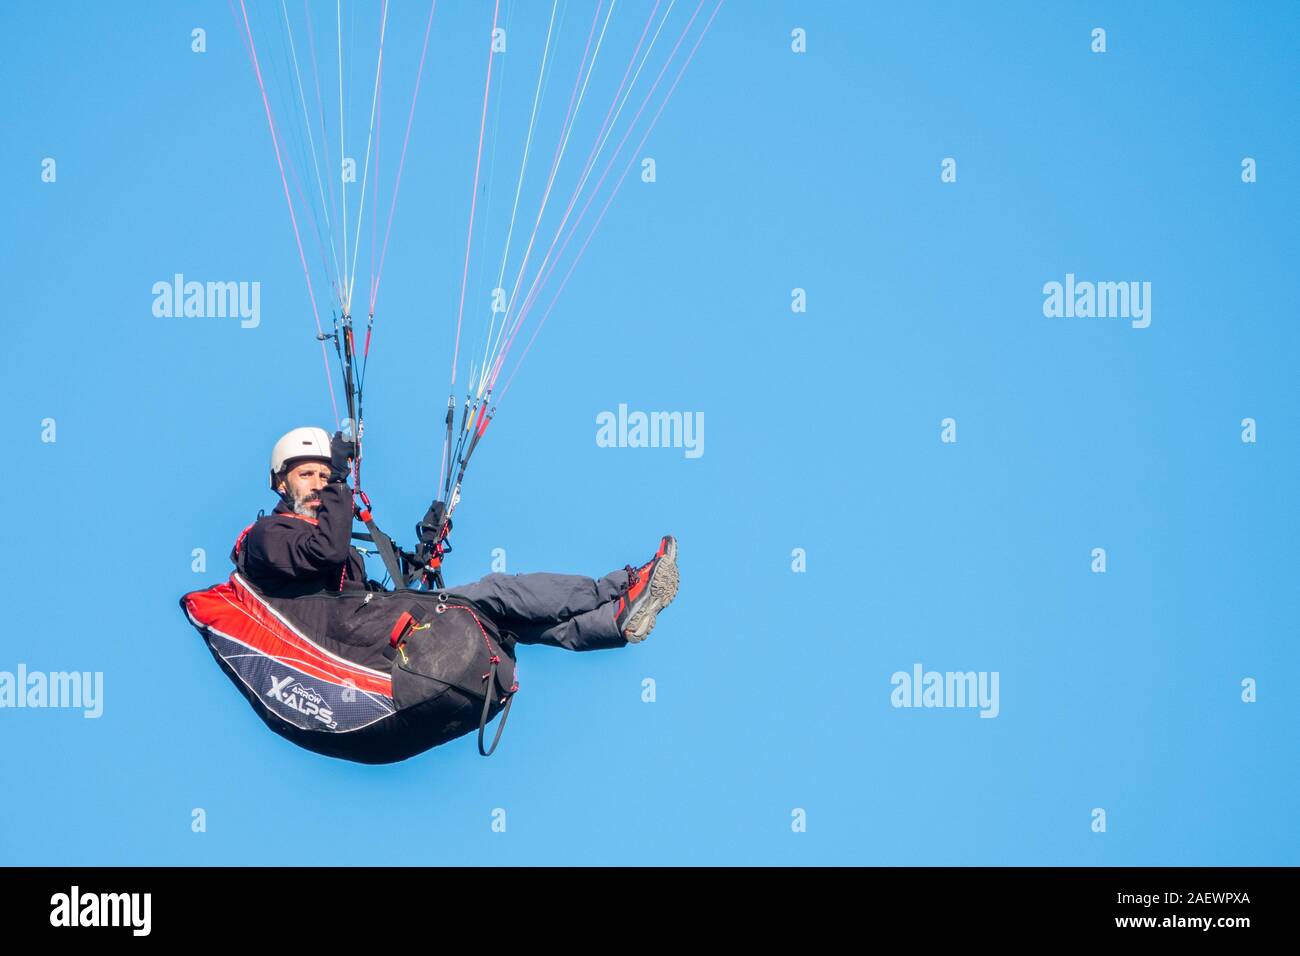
[(650, 588)]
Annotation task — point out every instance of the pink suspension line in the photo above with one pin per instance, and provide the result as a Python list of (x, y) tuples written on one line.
[(534, 289), (309, 208), (542, 277), (374, 196), (401, 163), (464, 280), (555, 159), (613, 193), (302, 258), (307, 150), (320, 107)]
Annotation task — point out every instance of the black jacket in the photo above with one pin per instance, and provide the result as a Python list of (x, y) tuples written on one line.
[(287, 555)]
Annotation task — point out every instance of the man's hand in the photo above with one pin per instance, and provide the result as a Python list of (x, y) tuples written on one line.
[(341, 450), (427, 529)]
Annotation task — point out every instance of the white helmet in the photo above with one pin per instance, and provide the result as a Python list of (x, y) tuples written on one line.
[(311, 443)]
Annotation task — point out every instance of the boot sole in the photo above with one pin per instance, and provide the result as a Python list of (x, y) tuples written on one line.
[(662, 589)]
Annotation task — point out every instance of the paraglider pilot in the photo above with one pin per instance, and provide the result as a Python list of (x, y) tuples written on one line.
[(304, 547)]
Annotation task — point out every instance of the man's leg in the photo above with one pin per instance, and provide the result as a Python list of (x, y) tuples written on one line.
[(590, 631), (563, 610)]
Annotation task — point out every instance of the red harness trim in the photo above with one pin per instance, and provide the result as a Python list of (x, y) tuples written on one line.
[(235, 611), (400, 629)]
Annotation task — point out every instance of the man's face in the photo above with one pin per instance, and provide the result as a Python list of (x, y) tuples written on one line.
[(303, 484)]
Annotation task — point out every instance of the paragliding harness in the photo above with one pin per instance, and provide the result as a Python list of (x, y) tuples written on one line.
[(406, 568), (369, 676)]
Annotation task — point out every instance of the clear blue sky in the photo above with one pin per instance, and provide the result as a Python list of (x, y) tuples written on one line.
[(775, 171)]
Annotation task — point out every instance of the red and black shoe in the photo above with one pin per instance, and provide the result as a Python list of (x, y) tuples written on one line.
[(650, 588)]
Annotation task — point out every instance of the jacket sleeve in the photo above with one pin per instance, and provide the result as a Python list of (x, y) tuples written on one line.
[(302, 549)]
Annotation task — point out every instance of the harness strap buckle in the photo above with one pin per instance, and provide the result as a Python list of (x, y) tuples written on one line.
[(403, 627)]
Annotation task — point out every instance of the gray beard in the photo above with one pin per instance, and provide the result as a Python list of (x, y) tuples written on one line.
[(300, 504)]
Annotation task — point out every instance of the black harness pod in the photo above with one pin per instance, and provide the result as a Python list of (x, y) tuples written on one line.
[(393, 674)]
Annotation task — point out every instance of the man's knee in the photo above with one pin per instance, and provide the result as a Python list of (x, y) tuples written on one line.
[(489, 582), (497, 581)]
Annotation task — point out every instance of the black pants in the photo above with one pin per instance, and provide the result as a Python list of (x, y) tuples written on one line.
[(563, 610)]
